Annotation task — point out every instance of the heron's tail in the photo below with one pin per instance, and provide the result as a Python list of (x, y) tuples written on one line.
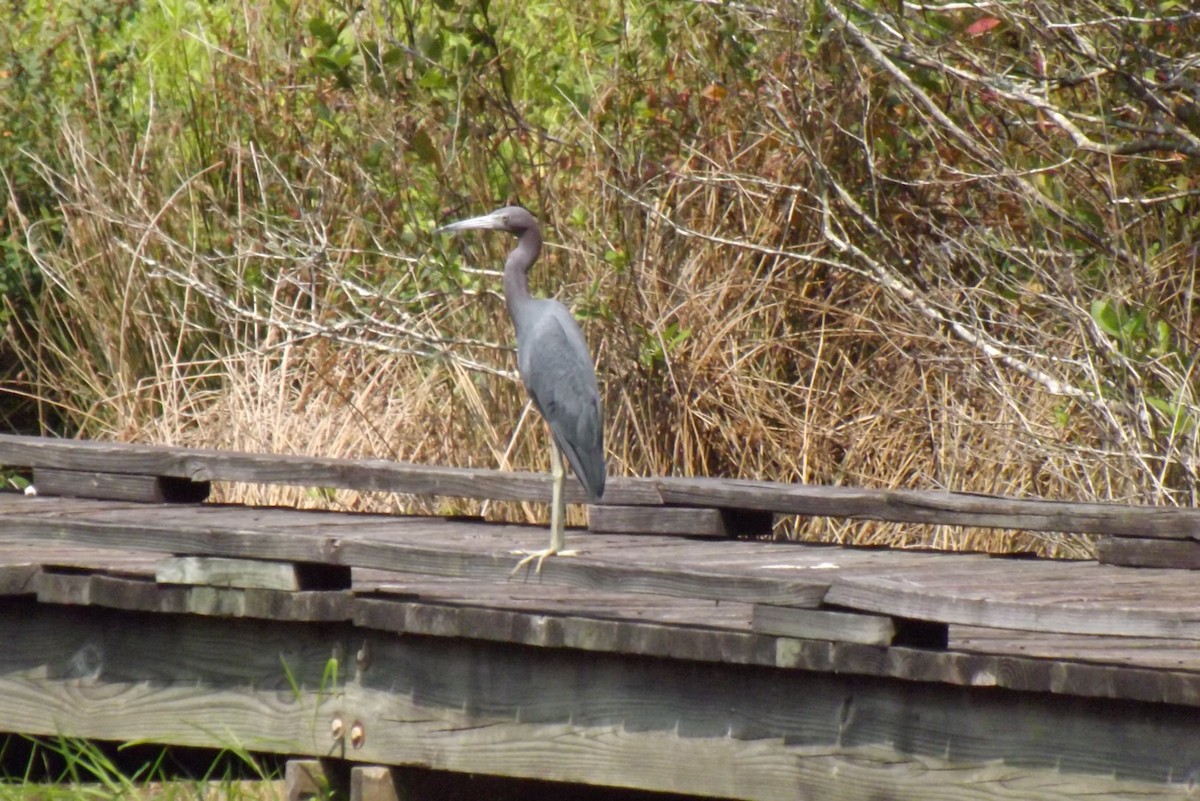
[(588, 467)]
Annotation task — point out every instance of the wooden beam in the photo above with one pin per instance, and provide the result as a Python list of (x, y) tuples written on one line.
[(688, 521), (305, 780), (375, 783), (380, 475), (357, 549), (901, 506), (935, 508), (820, 624), (1137, 552), (252, 574), (130, 594), (17, 579), (118, 486), (1078, 673), (987, 604), (654, 724)]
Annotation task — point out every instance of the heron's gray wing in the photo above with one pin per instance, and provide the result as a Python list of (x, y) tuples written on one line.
[(556, 367)]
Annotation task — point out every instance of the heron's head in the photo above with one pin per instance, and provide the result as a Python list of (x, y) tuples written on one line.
[(513, 219)]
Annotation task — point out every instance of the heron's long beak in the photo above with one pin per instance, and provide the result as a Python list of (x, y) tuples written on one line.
[(493, 221)]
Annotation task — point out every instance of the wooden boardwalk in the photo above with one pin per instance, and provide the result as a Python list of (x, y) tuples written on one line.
[(706, 664)]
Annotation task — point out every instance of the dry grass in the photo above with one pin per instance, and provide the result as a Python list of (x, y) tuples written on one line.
[(812, 270)]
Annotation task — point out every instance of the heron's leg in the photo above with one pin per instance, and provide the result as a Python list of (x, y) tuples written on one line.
[(558, 507), (558, 515)]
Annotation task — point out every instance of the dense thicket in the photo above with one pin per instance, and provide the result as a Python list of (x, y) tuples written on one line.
[(892, 244)]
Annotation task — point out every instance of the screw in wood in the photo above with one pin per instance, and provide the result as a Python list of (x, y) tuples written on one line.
[(358, 735), (337, 728)]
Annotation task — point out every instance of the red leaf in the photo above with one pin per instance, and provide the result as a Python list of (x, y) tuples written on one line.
[(981, 26)]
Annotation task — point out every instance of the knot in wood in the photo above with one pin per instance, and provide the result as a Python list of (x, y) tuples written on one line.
[(331, 549)]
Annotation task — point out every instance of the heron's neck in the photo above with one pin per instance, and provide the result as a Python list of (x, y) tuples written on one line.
[(516, 272)]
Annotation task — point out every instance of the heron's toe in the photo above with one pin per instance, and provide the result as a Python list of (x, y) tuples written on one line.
[(540, 556)]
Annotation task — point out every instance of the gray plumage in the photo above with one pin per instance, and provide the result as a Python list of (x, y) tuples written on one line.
[(552, 354)]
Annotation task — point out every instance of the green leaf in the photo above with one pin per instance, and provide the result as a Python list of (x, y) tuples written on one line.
[(323, 31), (1106, 317), (1176, 415), (394, 56), (1163, 335), (422, 145)]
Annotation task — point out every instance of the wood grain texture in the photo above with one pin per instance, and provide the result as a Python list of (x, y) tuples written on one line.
[(375, 783), (251, 574), (1142, 652), (460, 549), (476, 598), (903, 506), (633, 635), (111, 592), (305, 780), (820, 624), (1035, 595), (118, 676), (1137, 552), (119, 486), (1103, 600), (378, 475), (656, 724), (17, 579)]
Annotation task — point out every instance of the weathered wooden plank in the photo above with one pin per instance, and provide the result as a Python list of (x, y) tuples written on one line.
[(543, 631), (197, 464), (655, 724), (1074, 607), (375, 783), (75, 589), (1138, 552), (904, 506), (554, 599), (252, 574), (1027, 594), (19, 503), (609, 632), (688, 521), (1142, 652), (475, 551), (932, 507), (146, 596), (821, 624), (68, 557), (17, 579), (118, 486), (305, 780)]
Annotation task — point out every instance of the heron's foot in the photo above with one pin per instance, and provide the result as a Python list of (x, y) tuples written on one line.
[(540, 556)]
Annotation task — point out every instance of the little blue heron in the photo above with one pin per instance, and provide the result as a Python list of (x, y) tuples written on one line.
[(556, 367)]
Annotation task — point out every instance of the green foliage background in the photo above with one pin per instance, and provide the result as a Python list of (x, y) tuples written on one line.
[(835, 242)]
